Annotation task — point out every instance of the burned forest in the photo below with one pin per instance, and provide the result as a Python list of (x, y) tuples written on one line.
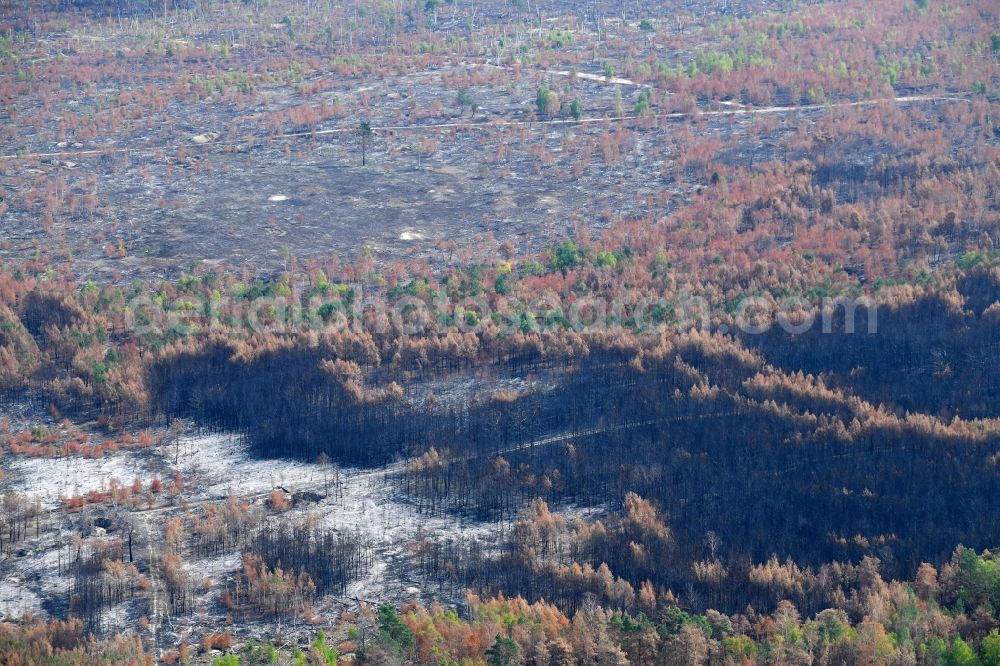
[(506, 332)]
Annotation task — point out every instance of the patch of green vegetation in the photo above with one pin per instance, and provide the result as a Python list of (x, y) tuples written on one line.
[(205, 86), (607, 259), (711, 62), (559, 39), (392, 629), (970, 259), (328, 655), (546, 100), (566, 257), (788, 29), (642, 105), (502, 285)]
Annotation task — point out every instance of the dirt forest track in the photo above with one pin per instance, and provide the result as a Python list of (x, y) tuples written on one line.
[(954, 97)]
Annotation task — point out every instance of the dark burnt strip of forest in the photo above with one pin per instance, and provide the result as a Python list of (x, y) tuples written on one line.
[(726, 435)]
